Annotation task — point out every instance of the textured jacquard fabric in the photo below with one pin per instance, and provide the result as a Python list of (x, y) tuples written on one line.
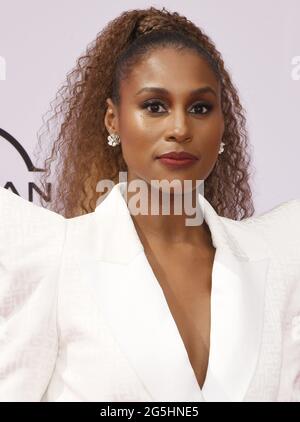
[(56, 344), (31, 242), (280, 227)]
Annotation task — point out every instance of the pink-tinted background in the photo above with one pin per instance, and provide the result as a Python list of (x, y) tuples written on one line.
[(259, 41)]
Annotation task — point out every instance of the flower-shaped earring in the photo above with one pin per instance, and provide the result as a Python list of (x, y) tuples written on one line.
[(113, 140), (221, 147)]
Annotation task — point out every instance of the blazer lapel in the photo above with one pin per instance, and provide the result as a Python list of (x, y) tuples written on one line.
[(138, 315), (135, 307), (237, 305)]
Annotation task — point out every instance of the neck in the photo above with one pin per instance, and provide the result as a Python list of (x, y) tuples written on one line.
[(165, 226)]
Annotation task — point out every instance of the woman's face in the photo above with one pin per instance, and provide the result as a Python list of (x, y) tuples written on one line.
[(161, 111)]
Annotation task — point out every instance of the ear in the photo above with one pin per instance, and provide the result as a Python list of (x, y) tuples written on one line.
[(111, 119)]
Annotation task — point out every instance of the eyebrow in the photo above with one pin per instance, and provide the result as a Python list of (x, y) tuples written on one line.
[(159, 90)]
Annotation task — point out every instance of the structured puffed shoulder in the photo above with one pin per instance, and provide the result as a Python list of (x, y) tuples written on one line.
[(288, 209), (30, 235), (280, 227), (13, 204), (31, 247)]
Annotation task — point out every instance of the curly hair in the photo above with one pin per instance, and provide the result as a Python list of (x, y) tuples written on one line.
[(80, 148)]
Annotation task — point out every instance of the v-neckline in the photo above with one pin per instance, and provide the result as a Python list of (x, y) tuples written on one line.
[(177, 321), (130, 297), (179, 338)]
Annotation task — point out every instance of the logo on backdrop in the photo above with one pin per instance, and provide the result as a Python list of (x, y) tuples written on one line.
[(17, 169)]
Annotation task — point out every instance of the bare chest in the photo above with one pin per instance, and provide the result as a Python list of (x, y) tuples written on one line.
[(186, 284)]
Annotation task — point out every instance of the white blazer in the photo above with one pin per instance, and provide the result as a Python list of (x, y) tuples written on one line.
[(83, 317)]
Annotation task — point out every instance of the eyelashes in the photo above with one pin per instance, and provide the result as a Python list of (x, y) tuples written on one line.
[(158, 104)]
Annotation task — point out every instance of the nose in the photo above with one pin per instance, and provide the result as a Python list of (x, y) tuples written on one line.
[(178, 129)]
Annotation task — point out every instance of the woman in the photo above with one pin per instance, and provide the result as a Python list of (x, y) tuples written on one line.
[(118, 305)]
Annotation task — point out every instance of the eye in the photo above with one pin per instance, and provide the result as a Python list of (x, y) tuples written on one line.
[(205, 105), (155, 105)]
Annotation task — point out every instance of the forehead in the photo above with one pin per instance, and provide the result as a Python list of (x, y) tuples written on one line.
[(173, 69)]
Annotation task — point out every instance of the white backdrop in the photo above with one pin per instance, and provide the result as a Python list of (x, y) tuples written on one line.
[(259, 41)]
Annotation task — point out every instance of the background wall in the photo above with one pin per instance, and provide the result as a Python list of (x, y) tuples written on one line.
[(259, 41)]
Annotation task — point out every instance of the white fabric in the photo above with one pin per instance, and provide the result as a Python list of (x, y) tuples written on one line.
[(83, 317)]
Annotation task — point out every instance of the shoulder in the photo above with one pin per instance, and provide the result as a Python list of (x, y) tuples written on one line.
[(285, 213), (280, 230), (15, 208), (28, 232), (279, 227), (17, 212)]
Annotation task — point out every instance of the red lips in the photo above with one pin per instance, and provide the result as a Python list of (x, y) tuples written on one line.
[(182, 155)]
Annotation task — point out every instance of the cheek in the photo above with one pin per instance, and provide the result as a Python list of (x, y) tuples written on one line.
[(134, 123), (213, 132), (135, 150), (137, 138)]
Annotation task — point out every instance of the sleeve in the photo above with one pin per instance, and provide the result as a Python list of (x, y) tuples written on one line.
[(291, 325), (286, 237), (291, 339), (31, 246), (281, 229)]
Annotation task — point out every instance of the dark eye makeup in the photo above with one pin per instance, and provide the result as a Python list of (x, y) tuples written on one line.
[(157, 103)]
